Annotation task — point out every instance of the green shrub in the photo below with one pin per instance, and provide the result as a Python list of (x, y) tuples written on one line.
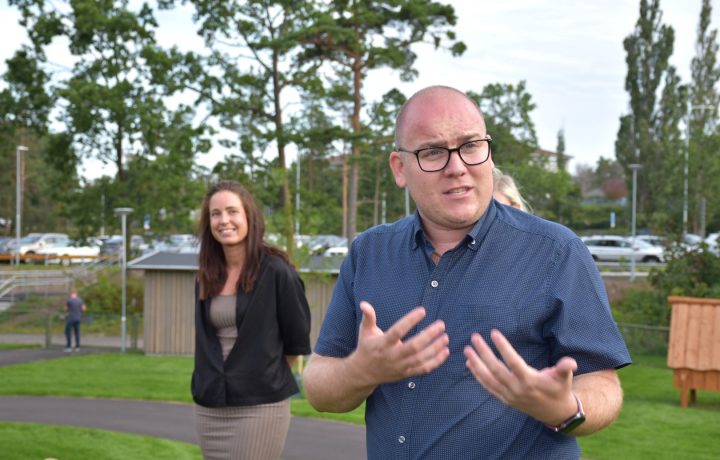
[(694, 273), (641, 306), (104, 294), (688, 272)]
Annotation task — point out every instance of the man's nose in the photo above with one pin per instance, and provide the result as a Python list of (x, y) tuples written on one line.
[(455, 163)]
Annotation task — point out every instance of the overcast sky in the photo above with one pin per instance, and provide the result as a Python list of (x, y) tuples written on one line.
[(569, 52)]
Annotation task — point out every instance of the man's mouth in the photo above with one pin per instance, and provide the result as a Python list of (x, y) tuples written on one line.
[(457, 191)]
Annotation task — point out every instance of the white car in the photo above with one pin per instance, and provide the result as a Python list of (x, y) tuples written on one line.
[(612, 248), (34, 242), (712, 242), (67, 254), (688, 241), (336, 251)]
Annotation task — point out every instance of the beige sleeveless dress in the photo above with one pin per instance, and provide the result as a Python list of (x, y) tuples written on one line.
[(246, 432)]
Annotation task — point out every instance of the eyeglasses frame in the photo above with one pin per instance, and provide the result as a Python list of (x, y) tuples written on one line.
[(487, 139)]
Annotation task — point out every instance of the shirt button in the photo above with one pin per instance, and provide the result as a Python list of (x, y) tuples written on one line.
[(434, 283), (411, 385), (401, 439)]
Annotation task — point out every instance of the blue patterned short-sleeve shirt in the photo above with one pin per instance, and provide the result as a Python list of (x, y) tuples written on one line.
[(532, 279)]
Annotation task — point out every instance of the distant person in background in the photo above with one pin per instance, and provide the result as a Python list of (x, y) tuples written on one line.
[(506, 191), (252, 321), (74, 308)]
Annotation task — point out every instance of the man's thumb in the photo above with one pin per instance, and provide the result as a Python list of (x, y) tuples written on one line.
[(368, 321)]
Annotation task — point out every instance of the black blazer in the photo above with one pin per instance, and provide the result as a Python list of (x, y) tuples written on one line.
[(272, 321)]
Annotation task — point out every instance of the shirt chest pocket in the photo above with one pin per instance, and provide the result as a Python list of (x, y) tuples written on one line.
[(467, 319)]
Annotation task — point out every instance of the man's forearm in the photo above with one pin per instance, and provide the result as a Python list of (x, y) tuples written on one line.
[(334, 385), (601, 396)]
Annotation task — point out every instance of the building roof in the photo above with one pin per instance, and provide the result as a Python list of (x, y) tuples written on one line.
[(161, 260), (188, 261)]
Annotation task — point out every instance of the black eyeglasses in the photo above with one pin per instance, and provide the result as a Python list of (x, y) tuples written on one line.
[(434, 159)]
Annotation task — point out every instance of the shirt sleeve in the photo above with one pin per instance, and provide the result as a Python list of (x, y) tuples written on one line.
[(338, 334), (293, 313), (583, 326)]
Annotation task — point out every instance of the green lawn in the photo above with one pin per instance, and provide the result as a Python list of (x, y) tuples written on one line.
[(23, 441), (18, 346), (651, 426)]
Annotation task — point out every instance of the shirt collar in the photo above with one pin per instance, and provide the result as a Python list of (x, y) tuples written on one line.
[(473, 238)]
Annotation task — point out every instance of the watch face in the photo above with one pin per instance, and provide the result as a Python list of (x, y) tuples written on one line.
[(572, 424)]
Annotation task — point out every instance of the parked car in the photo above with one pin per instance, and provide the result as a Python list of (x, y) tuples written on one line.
[(611, 248), (183, 243), (33, 242), (4, 241), (712, 242), (318, 244), (5, 255), (688, 240), (691, 240), (70, 253), (655, 240), (336, 251), (113, 245)]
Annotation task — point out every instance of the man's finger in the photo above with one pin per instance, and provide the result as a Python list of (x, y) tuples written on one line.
[(368, 321), (402, 326), (565, 367), (512, 359)]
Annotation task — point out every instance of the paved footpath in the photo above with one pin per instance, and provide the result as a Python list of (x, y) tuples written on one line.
[(308, 439)]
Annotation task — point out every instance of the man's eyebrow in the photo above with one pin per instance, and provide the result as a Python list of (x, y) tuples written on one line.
[(461, 140)]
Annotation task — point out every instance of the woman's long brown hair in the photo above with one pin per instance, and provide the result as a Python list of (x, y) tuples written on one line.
[(212, 269)]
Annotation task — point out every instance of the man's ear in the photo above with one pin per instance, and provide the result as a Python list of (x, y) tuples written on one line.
[(398, 169)]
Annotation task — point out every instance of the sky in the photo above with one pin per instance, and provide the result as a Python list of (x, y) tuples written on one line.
[(569, 53)]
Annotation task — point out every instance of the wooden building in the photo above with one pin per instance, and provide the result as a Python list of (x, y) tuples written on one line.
[(694, 348), (169, 301)]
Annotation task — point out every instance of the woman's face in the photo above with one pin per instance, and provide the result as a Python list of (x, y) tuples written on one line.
[(228, 222)]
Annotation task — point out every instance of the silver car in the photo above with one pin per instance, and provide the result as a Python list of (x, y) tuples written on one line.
[(611, 248)]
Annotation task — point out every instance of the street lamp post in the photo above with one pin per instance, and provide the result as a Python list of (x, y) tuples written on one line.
[(123, 213), (18, 201), (634, 168)]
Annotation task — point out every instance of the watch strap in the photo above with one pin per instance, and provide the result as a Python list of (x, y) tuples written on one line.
[(573, 422)]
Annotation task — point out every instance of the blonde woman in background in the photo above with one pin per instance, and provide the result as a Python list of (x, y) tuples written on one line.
[(506, 191)]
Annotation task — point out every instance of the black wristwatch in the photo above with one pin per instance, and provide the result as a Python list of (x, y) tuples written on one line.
[(573, 422)]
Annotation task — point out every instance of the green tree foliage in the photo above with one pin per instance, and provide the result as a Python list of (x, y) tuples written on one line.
[(506, 109), (111, 102), (649, 134), (25, 105), (704, 135), (560, 150), (113, 106), (354, 38), (27, 100), (255, 49)]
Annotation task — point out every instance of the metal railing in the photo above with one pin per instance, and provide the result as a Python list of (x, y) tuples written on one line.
[(17, 284), (645, 339), (47, 327)]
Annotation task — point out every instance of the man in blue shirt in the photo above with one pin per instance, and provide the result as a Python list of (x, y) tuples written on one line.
[(472, 329), (75, 306)]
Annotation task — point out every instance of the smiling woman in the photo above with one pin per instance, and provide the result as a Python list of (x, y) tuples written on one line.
[(248, 297)]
